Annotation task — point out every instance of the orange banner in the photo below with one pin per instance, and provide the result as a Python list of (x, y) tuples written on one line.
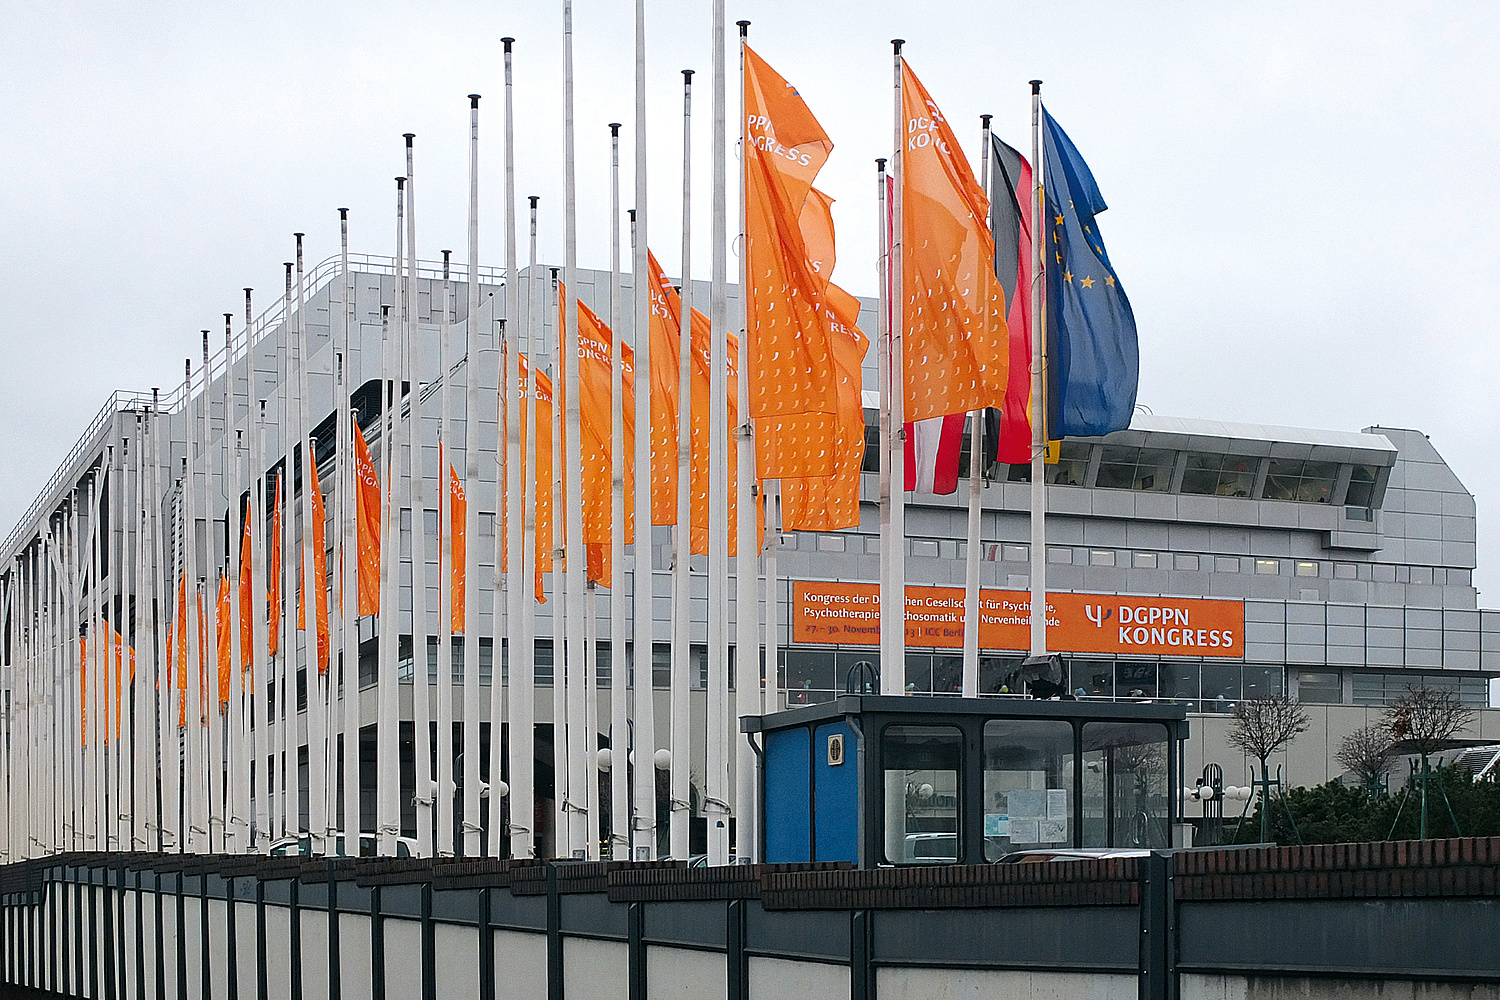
[(849, 614)]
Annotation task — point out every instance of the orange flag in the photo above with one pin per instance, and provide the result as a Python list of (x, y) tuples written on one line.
[(956, 348), (224, 627), (793, 382), (247, 619), (182, 661), (83, 685), (273, 575), (320, 578), (828, 503), (458, 507), (367, 520), (595, 349), (542, 474)]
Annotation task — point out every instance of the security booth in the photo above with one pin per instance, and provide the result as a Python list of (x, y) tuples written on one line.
[(882, 780)]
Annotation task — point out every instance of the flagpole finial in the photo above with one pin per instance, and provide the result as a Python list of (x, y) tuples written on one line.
[(1036, 86), (896, 44), (985, 120), (534, 200), (507, 41), (744, 28), (880, 164), (343, 215), (614, 129), (400, 183), (473, 100), (408, 136), (631, 211)]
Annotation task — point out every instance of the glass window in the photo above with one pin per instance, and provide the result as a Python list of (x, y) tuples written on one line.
[(1263, 682), (1135, 680), (1361, 486), (1221, 686), (918, 673), (859, 668), (1184, 562), (1145, 560), (1301, 481), (1226, 564), (1307, 568), (1267, 567), (1125, 783), (1148, 469), (661, 665), (997, 675), (1072, 463), (830, 543), (1016, 553), (1102, 557), (1028, 785), (1345, 571), (947, 674), (1093, 679), (1060, 556), (921, 765), (1177, 680), (1219, 475), (924, 547), (1320, 687), (542, 665), (809, 675)]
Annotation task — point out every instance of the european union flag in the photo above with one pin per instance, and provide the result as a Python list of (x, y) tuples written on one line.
[(1093, 358)]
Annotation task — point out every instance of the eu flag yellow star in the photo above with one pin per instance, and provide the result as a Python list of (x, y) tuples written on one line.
[(1088, 282), (1068, 277), (1109, 280)]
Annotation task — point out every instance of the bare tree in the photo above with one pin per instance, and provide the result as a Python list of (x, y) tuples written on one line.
[(1425, 719), (1261, 727), (1368, 754)]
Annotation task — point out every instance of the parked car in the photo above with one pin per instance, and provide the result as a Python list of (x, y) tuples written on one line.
[(290, 847), (1041, 855)]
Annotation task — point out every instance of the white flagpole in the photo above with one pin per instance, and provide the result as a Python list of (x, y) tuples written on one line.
[(721, 735), (387, 760), (115, 758), (976, 485), (753, 691), (523, 642), (561, 847), (196, 780), (578, 738), (644, 806), (162, 590), (893, 594), (416, 485), (591, 719), (471, 822), (348, 550), (238, 824), (144, 799), (718, 534), (96, 669), (514, 836), (1038, 397), (286, 662), (260, 625), (619, 724), (682, 532), (312, 556), (445, 786), (209, 725)]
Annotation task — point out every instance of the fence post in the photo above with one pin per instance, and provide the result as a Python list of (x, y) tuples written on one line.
[(734, 942), (554, 936), (335, 972), (1158, 972), (377, 946), (635, 933), (861, 973)]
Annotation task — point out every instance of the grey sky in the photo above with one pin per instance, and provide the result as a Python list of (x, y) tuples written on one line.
[(1300, 192)]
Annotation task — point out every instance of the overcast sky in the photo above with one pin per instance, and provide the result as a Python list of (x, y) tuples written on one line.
[(1301, 194)]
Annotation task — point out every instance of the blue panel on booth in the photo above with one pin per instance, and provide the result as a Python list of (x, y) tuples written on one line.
[(836, 793), (788, 797)]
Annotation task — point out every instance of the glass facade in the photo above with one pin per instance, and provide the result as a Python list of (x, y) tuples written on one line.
[(1028, 785), (921, 765)]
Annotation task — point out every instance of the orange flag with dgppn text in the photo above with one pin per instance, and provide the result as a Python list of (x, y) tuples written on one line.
[(956, 348), (793, 381), (320, 579), (247, 620), (273, 575)]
